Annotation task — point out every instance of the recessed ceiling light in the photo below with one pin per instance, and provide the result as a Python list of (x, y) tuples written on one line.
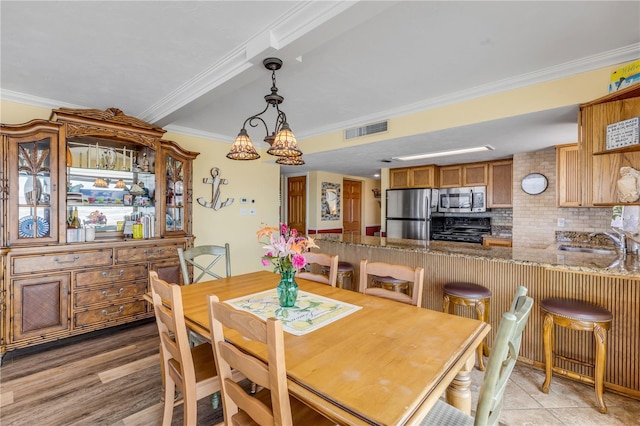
[(443, 153)]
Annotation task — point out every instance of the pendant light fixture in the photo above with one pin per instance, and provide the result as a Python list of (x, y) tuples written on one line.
[(282, 141)]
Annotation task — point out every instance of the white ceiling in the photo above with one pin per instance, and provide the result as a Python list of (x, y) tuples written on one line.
[(195, 67)]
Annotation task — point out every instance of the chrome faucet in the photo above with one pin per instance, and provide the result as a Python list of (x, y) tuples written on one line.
[(619, 240)]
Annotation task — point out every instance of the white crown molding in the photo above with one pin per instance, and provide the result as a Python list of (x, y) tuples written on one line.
[(188, 131), (23, 98), (590, 63)]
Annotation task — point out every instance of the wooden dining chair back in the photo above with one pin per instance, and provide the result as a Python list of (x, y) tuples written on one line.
[(400, 272), (203, 259), (322, 259), (191, 370), (272, 405), (502, 360)]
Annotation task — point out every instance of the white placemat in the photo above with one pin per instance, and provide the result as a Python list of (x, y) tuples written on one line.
[(309, 313)]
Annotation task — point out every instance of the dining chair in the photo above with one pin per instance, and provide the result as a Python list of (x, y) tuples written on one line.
[(207, 253), (272, 405), (191, 370), (322, 259), (400, 272), (504, 355)]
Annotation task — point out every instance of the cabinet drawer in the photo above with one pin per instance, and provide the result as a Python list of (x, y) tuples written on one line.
[(56, 261), (110, 313), (111, 294), (142, 254), (110, 275)]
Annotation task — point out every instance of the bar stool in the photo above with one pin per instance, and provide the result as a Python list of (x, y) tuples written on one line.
[(345, 270), (469, 294), (393, 284), (582, 316)]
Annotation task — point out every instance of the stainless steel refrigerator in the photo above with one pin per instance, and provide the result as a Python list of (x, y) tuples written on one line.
[(409, 213)]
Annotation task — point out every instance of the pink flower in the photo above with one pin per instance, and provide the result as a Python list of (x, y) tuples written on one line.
[(266, 262), (298, 261)]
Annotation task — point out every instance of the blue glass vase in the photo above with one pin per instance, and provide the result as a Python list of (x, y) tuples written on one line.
[(287, 289)]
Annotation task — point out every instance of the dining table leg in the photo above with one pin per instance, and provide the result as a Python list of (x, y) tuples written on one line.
[(459, 391)]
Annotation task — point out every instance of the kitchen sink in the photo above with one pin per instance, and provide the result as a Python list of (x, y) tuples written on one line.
[(592, 250)]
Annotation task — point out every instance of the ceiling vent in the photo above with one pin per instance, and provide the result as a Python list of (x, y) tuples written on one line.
[(369, 129)]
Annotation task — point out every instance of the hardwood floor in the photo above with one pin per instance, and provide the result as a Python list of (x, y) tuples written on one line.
[(108, 379)]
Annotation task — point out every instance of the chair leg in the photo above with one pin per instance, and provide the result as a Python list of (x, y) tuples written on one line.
[(190, 406), (480, 312), (547, 341), (445, 304), (169, 396), (600, 335)]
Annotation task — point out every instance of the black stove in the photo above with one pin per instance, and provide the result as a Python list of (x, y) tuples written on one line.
[(462, 229)]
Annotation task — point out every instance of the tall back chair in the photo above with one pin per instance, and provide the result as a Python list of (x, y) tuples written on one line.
[(502, 360), (241, 407), (191, 370), (322, 259), (415, 277), (208, 253)]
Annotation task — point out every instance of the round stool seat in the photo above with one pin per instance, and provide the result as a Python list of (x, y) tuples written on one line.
[(344, 267), (345, 270), (467, 290), (576, 309)]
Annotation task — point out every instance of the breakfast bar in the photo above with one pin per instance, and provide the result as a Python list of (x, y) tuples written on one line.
[(603, 279)]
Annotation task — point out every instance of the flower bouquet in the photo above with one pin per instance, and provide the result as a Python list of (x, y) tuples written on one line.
[(285, 248)]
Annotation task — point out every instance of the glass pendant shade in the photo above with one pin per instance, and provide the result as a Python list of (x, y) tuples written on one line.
[(285, 144), (242, 148), (290, 161)]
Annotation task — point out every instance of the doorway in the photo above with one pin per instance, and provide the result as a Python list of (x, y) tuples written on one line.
[(352, 201), (297, 203)]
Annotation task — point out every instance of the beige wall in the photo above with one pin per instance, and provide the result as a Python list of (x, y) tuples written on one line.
[(370, 207)]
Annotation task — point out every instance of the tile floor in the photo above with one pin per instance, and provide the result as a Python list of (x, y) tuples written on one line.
[(568, 402)]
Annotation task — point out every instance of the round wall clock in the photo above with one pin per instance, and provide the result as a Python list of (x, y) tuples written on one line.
[(534, 183)]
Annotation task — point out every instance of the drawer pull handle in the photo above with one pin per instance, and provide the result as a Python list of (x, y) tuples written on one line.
[(107, 275), (147, 252), (119, 311), (55, 259), (104, 293)]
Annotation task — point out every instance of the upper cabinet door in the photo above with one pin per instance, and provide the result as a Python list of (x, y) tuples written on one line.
[(175, 214), (450, 176), (33, 187)]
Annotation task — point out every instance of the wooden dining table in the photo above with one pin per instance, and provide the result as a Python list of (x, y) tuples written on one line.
[(384, 364)]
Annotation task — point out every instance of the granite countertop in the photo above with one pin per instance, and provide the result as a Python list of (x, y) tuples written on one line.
[(549, 257)]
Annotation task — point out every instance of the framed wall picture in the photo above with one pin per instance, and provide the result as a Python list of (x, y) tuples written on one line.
[(330, 202)]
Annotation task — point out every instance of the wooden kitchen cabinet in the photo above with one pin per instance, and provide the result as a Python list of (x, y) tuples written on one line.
[(450, 176), (422, 177), (600, 169), (399, 178), (475, 174), (500, 187), (413, 177), (55, 286), (568, 187)]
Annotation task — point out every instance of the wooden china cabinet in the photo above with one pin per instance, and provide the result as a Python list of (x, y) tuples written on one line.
[(120, 180)]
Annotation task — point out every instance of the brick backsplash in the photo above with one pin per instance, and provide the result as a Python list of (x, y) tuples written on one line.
[(535, 217)]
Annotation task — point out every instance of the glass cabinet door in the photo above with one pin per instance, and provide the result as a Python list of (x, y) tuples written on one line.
[(174, 202), (33, 197)]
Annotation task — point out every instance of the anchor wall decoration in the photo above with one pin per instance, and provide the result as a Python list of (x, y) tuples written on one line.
[(216, 181)]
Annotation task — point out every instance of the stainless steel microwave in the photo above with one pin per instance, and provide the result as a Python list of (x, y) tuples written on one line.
[(463, 200)]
